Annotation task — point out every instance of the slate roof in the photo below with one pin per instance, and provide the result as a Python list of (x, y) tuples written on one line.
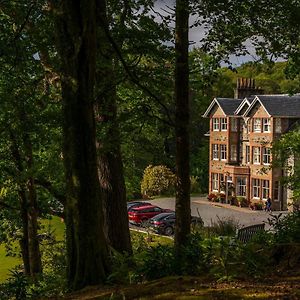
[(281, 105), (278, 105), (246, 101), (228, 105)]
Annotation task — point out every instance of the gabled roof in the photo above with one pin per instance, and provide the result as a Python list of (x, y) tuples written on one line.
[(227, 105), (277, 105), (246, 102)]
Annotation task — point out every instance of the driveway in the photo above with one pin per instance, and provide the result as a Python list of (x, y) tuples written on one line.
[(211, 211)]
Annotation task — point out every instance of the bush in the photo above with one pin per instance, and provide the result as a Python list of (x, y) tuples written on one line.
[(242, 201), (195, 187), (212, 197), (287, 229), (156, 262), (157, 180), (224, 227)]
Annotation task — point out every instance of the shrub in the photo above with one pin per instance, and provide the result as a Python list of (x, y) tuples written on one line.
[(157, 180), (195, 187), (287, 228), (242, 201), (156, 262), (222, 197), (224, 227), (212, 197)]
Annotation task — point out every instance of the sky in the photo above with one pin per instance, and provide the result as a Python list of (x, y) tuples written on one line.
[(197, 33)]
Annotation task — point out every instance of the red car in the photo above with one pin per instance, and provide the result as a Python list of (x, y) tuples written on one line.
[(138, 215)]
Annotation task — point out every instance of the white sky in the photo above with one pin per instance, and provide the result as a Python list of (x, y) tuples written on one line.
[(197, 33)]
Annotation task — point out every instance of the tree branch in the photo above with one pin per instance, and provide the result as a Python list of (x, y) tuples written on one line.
[(47, 185), (134, 78)]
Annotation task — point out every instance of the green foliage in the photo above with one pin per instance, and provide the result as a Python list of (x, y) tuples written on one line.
[(156, 262), (51, 283), (157, 180), (195, 186), (224, 227), (287, 228)]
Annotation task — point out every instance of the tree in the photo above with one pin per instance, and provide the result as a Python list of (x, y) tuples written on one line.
[(183, 209), (110, 164), (87, 249)]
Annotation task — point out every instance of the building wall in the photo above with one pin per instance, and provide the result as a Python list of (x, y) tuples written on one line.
[(237, 169)]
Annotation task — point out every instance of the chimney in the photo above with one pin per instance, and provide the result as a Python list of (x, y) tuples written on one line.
[(245, 87)]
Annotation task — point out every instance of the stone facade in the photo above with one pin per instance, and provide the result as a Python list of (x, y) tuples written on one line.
[(241, 138)]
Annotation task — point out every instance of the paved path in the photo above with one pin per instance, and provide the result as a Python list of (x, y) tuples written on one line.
[(211, 211)]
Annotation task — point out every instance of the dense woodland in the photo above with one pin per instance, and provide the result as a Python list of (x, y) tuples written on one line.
[(92, 93)]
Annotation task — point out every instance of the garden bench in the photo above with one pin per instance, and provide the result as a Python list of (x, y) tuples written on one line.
[(245, 234)]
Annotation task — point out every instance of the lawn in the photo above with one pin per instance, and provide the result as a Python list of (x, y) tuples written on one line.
[(7, 262)]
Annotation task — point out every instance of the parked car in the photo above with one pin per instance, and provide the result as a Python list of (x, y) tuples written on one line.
[(133, 204), (138, 215), (164, 223)]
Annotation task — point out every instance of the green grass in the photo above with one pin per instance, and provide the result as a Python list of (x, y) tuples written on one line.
[(7, 262)]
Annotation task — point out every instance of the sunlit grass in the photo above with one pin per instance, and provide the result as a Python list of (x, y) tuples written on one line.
[(54, 225)]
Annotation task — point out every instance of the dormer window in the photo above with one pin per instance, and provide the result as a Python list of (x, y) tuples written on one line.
[(216, 124), (256, 125), (266, 125), (223, 124)]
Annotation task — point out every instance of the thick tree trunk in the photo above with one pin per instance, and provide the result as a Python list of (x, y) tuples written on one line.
[(183, 209), (110, 165), (88, 258)]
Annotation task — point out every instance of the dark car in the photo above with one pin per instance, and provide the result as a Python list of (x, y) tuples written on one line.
[(138, 215), (164, 223), (132, 204)]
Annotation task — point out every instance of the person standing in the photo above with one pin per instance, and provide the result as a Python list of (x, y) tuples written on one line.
[(268, 204)]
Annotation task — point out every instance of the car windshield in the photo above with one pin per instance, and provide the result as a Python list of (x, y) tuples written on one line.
[(161, 216)]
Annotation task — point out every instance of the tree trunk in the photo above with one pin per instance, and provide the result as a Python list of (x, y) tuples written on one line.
[(33, 241), (87, 251), (110, 165), (24, 239), (29, 242), (183, 208)]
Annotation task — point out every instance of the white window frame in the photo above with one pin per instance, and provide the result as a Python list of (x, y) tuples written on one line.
[(215, 182), (234, 124), (256, 155), (266, 155), (223, 152), (247, 154), (233, 152), (223, 123), (241, 186), (266, 124), (215, 152), (215, 124), (278, 125), (256, 125), (256, 188), (265, 189)]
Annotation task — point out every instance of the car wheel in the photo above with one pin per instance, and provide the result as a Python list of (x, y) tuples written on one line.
[(168, 230)]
